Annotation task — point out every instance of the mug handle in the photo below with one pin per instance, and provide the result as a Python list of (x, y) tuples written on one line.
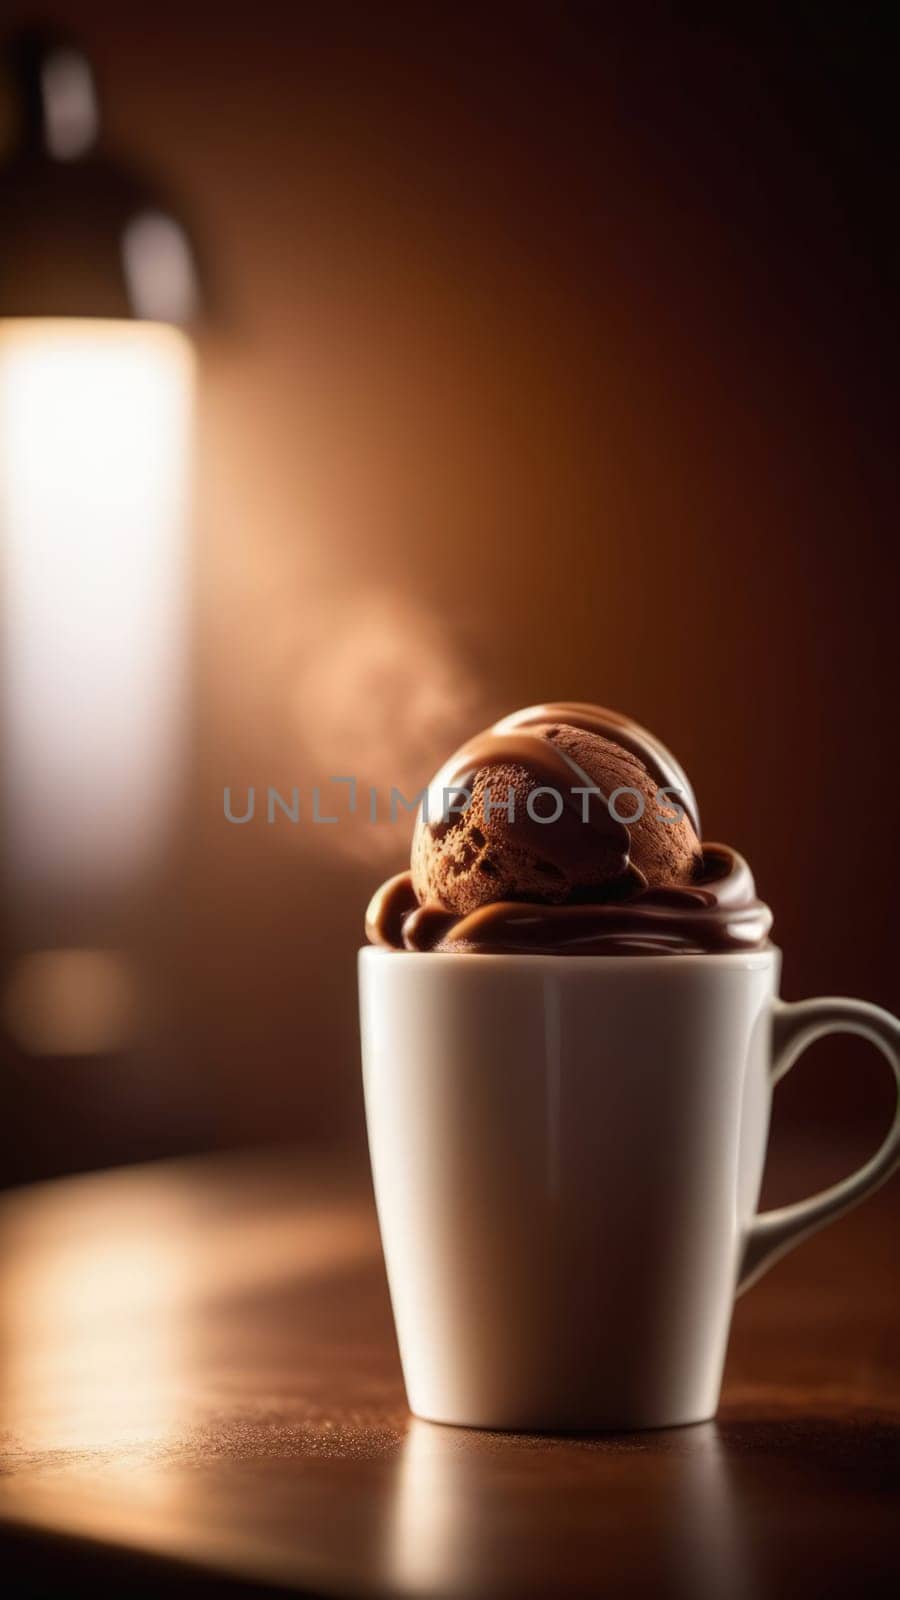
[(794, 1027)]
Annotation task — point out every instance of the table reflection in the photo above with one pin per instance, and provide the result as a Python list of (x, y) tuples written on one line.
[(110, 1293), (459, 1524)]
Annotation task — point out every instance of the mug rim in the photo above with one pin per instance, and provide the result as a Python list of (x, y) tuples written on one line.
[(743, 960)]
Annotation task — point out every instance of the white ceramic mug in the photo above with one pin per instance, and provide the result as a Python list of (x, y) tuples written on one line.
[(567, 1154)]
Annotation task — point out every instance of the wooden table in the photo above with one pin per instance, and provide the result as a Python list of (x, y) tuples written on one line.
[(202, 1393)]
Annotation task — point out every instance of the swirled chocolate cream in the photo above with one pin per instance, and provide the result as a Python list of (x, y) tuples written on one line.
[(566, 829)]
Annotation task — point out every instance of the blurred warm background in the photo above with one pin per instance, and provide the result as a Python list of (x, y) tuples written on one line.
[(551, 354)]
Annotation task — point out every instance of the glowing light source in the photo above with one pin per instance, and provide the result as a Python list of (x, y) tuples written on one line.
[(95, 422), (97, 276), (94, 433)]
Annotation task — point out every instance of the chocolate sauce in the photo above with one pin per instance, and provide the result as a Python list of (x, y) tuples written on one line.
[(717, 911), (552, 769), (666, 772)]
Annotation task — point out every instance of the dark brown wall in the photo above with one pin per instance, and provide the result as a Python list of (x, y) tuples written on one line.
[(554, 357)]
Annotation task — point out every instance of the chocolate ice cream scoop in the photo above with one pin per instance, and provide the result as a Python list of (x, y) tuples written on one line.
[(548, 821), (566, 827)]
